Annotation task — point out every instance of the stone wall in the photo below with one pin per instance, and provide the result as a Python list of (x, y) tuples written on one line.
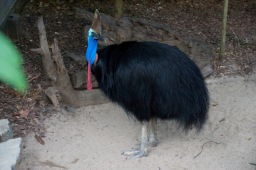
[(9, 147)]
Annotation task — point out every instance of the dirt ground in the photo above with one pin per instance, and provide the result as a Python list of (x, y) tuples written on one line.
[(93, 137)]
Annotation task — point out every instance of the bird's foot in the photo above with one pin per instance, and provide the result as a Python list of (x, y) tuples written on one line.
[(136, 153)]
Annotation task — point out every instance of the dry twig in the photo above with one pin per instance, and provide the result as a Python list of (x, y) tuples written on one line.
[(202, 147)]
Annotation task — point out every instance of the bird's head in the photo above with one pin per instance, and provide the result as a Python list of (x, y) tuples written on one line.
[(94, 35)]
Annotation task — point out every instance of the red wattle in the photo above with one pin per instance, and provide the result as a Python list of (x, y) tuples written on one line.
[(89, 80)]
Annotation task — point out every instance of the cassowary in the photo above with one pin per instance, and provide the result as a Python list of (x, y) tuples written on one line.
[(150, 81)]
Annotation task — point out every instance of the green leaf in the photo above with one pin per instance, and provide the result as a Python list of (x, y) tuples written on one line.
[(11, 71)]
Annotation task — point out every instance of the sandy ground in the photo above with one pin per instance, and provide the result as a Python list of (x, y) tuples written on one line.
[(94, 137)]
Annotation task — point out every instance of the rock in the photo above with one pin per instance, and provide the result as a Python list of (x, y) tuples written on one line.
[(125, 22), (5, 131), (127, 29), (109, 38), (79, 80), (78, 58), (206, 70), (199, 53), (107, 21), (123, 34), (9, 153)]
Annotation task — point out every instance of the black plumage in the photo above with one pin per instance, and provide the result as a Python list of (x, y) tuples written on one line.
[(150, 79)]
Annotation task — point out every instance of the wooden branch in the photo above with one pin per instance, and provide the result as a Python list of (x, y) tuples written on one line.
[(47, 58), (55, 70), (62, 80), (37, 50), (51, 92), (63, 83)]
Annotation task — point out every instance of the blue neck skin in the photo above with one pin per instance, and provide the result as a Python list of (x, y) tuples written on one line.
[(92, 47)]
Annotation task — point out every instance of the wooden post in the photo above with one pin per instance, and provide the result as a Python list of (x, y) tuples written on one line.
[(223, 32), (118, 8)]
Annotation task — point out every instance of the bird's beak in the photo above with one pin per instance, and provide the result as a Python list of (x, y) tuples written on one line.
[(97, 36)]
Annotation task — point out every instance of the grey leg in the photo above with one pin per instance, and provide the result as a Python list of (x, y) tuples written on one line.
[(152, 132), (144, 139), (143, 150)]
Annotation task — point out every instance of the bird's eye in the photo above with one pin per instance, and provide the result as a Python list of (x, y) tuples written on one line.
[(95, 35)]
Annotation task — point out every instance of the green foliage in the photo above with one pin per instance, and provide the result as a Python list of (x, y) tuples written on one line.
[(11, 71)]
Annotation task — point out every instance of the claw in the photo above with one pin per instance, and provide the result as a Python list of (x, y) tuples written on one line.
[(143, 146), (140, 154), (136, 153), (132, 152)]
